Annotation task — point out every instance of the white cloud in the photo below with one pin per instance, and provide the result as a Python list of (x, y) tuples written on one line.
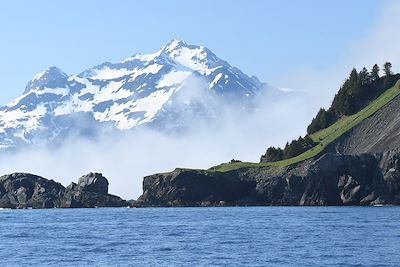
[(126, 157)]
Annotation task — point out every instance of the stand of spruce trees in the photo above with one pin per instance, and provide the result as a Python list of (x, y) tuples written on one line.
[(357, 91)]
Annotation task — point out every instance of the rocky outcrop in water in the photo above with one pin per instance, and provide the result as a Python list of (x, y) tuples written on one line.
[(91, 191), (20, 190), (24, 190), (329, 180)]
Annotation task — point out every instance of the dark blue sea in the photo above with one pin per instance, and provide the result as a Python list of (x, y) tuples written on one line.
[(252, 236)]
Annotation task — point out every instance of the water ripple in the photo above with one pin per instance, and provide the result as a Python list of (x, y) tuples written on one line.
[(253, 236)]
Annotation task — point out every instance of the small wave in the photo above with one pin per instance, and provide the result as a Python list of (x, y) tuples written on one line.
[(164, 249)]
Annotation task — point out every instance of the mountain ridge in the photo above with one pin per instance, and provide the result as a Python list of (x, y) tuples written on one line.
[(142, 89)]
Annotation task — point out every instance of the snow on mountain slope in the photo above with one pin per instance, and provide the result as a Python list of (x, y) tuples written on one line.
[(170, 86)]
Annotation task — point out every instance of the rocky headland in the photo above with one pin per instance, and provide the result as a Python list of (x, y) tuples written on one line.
[(328, 180), (352, 160)]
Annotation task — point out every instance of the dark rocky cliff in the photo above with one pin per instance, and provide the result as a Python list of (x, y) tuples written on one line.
[(328, 180), (24, 190), (28, 190)]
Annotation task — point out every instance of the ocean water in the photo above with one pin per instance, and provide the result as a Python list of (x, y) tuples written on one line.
[(238, 236)]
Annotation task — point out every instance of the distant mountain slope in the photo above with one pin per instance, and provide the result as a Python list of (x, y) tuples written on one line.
[(167, 89)]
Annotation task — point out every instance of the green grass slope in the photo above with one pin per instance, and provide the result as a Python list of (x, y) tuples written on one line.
[(325, 136)]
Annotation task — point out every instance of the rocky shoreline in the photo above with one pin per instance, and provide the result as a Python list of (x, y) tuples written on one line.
[(24, 190), (329, 180)]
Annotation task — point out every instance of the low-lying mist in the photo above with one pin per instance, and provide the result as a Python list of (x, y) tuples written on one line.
[(124, 158)]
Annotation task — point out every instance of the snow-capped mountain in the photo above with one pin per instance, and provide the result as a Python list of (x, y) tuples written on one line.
[(176, 84)]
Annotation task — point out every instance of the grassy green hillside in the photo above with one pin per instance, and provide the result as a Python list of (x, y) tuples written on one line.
[(325, 136)]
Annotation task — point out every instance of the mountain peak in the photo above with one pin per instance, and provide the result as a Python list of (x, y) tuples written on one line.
[(50, 73), (173, 44), (43, 78)]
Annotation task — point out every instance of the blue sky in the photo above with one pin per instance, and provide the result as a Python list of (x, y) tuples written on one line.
[(269, 39)]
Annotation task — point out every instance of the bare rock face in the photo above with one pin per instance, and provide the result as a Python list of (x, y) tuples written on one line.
[(193, 188), (91, 191), (23, 190), (94, 182), (328, 180), (376, 134)]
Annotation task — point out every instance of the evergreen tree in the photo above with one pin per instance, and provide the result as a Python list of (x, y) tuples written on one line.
[(322, 120), (375, 72), (355, 83), (344, 102), (292, 149), (364, 76), (353, 76), (387, 68), (272, 154)]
